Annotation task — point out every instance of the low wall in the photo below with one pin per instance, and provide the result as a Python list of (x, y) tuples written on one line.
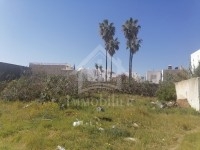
[(189, 89)]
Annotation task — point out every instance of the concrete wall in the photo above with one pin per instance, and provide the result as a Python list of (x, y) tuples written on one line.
[(189, 89)]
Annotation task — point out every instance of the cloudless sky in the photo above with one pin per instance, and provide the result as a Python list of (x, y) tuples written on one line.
[(67, 31)]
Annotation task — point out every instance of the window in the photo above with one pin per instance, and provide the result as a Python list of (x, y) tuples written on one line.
[(153, 76)]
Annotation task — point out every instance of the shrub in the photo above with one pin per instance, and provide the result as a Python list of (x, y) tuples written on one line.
[(140, 88), (117, 132), (26, 88), (166, 91), (59, 86), (3, 84), (196, 72), (10, 92)]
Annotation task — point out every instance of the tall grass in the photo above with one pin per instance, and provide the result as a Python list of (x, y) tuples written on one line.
[(34, 125), (190, 141)]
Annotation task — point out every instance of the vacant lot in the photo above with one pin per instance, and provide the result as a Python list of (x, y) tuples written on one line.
[(126, 122)]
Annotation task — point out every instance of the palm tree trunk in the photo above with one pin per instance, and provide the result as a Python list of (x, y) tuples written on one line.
[(130, 66), (106, 65), (111, 69), (97, 73)]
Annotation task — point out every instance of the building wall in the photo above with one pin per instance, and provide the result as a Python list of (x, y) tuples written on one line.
[(189, 89), (153, 76), (51, 69), (170, 74), (195, 59)]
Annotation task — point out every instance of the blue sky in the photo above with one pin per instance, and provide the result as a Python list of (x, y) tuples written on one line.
[(67, 31)]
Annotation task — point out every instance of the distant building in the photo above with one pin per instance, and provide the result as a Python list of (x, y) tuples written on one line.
[(51, 68), (135, 76), (11, 71), (92, 74), (171, 74), (195, 60), (168, 74), (154, 76), (87, 74)]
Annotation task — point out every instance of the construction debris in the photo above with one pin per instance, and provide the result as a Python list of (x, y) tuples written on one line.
[(27, 105), (163, 104), (60, 148), (130, 139), (77, 123), (101, 129), (100, 109)]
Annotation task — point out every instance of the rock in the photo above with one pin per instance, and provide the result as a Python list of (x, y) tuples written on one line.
[(160, 104), (135, 125), (27, 105), (101, 129), (130, 139), (170, 104), (100, 109), (77, 123)]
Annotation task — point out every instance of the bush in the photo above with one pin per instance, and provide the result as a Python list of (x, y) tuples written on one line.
[(38, 86), (197, 71), (3, 84), (166, 91), (117, 132), (26, 88), (59, 86), (140, 88)]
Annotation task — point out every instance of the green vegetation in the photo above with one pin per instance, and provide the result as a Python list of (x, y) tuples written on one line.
[(38, 86), (57, 88), (166, 91), (34, 125), (190, 141), (196, 72)]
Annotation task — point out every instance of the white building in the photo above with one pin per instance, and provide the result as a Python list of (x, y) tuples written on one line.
[(92, 74), (195, 59), (135, 76)]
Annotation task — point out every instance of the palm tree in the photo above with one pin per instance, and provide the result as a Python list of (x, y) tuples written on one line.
[(101, 69), (131, 29), (112, 46), (107, 31), (97, 67)]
